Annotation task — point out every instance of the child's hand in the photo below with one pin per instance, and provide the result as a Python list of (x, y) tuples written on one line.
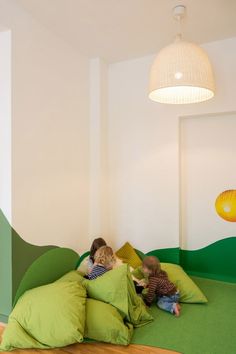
[(142, 283)]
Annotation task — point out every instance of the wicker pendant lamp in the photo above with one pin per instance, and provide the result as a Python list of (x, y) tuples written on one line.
[(181, 72)]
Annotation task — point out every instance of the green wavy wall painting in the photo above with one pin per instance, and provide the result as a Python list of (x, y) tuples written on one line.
[(47, 268), (216, 261), (5, 267), (23, 265), (17, 257)]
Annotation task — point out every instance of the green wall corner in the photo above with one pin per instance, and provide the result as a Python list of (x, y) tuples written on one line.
[(5, 267)]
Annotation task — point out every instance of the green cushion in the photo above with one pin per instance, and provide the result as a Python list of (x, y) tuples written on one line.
[(105, 324), (46, 317), (73, 275), (116, 288), (128, 255), (189, 291)]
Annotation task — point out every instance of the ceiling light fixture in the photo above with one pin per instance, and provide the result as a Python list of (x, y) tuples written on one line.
[(181, 73)]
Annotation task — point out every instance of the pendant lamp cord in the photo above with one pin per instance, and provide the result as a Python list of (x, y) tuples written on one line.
[(179, 15)]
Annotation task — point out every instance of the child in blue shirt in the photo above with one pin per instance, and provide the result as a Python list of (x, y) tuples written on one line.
[(104, 260)]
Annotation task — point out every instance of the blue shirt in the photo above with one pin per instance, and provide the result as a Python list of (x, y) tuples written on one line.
[(97, 271)]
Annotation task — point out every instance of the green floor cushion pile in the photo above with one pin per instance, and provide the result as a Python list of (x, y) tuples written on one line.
[(105, 324), (189, 291), (117, 289), (46, 317), (59, 314), (73, 275), (73, 308)]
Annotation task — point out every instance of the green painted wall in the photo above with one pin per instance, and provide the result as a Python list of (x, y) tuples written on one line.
[(5, 267), (23, 255), (167, 255), (216, 261), (47, 268), (24, 266), (16, 256)]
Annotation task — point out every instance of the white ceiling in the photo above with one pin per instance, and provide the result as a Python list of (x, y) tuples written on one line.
[(122, 29)]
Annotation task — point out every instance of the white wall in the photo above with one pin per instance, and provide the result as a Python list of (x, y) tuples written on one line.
[(50, 134), (99, 179), (71, 162), (144, 149), (208, 168), (5, 123)]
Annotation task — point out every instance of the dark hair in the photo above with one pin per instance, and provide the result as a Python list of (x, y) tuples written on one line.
[(153, 264), (97, 243)]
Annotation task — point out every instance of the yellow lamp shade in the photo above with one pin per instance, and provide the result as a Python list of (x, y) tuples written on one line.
[(226, 205), (180, 74)]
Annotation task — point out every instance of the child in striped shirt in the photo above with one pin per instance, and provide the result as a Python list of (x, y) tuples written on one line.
[(159, 285), (104, 260)]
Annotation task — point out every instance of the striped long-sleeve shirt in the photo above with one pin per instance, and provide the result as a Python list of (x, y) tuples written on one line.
[(97, 271), (160, 286)]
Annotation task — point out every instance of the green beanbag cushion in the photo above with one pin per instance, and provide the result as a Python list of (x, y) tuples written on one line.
[(105, 324), (47, 317), (189, 291), (116, 288), (73, 275)]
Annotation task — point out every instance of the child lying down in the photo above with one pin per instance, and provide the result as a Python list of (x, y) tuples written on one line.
[(151, 276)]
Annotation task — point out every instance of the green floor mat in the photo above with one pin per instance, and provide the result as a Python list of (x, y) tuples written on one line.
[(201, 329)]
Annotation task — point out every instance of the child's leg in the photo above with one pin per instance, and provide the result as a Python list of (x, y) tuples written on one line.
[(169, 303)]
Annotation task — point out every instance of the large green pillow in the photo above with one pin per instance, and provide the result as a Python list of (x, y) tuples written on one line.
[(189, 291), (105, 324), (117, 289), (47, 317), (73, 275)]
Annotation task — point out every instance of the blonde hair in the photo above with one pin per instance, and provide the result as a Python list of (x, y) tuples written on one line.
[(105, 256)]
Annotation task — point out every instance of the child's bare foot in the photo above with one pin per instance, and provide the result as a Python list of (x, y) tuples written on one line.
[(177, 310)]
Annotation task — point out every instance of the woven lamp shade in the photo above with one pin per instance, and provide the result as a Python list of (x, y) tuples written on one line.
[(180, 74)]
